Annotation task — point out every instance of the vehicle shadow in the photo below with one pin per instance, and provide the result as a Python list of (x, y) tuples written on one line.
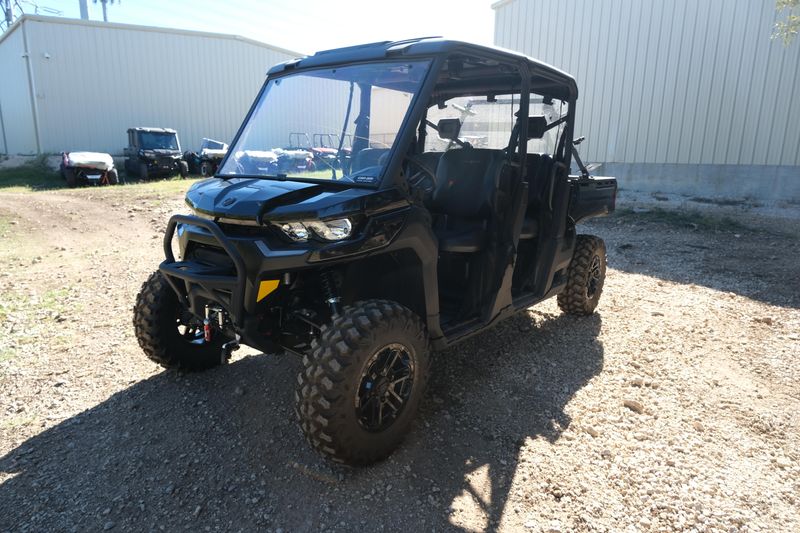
[(221, 450), (675, 246)]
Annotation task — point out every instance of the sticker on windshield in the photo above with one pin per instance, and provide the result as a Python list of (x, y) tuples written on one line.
[(366, 179)]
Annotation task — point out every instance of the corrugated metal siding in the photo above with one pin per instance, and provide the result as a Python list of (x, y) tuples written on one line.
[(98, 81), (15, 99), (682, 82)]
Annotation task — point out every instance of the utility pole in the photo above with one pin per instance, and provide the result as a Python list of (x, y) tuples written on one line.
[(7, 13), (85, 9)]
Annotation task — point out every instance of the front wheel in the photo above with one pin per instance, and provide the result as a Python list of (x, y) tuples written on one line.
[(168, 333), (363, 381), (206, 169), (585, 276), (183, 169), (70, 177)]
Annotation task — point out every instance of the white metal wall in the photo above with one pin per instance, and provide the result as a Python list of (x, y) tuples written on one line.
[(95, 80), (675, 82), (15, 98)]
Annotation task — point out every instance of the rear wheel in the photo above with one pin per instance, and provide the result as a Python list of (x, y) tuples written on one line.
[(585, 276), (168, 333), (363, 381)]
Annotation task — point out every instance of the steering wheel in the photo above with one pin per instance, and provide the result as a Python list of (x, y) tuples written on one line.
[(424, 179)]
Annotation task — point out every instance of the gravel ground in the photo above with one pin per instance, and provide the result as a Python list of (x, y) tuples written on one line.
[(673, 408)]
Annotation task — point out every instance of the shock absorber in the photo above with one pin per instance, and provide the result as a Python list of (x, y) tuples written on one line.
[(329, 291)]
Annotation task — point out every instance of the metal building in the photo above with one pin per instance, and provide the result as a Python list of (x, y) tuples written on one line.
[(70, 84), (679, 96)]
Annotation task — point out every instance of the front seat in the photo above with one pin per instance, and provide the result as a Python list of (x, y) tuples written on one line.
[(466, 183)]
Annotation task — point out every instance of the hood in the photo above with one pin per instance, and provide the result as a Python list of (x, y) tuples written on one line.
[(251, 199)]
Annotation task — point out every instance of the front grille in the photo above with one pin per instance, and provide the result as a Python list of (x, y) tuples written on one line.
[(210, 255)]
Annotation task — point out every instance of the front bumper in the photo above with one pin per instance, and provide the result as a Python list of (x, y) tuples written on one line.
[(163, 164), (232, 284), (246, 256)]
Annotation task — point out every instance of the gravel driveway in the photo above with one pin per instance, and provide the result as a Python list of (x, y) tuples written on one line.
[(673, 408)]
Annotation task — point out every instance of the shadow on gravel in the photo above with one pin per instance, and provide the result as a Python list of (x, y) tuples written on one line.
[(687, 248), (221, 450)]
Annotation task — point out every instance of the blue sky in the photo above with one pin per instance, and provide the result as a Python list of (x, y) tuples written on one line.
[(303, 25)]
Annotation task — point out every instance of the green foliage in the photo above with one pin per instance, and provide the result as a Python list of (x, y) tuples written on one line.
[(35, 175), (788, 28)]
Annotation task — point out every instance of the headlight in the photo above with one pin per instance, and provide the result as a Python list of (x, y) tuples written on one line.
[(295, 230), (329, 230), (332, 230)]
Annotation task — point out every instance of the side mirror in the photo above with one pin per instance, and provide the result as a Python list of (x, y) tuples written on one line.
[(449, 128)]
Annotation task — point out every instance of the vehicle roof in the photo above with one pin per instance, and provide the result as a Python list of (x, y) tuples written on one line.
[(542, 74), (153, 130)]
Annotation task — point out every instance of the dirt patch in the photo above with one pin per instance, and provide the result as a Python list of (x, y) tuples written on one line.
[(673, 408)]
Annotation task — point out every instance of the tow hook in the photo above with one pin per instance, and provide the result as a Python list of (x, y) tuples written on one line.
[(228, 348)]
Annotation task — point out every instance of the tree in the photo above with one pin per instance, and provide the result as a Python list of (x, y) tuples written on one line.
[(787, 28), (105, 15)]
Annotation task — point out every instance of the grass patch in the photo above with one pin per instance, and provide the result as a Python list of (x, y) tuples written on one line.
[(19, 421), (684, 218), (54, 300), (7, 354), (32, 176), (37, 176)]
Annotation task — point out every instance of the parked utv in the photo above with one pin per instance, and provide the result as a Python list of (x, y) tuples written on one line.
[(418, 242), (322, 157), (88, 168), (153, 152), (207, 160)]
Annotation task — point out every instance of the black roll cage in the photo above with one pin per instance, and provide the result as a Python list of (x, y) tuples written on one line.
[(441, 51)]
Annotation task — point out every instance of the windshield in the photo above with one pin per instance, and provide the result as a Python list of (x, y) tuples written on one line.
[(150, 140), (356, 111)]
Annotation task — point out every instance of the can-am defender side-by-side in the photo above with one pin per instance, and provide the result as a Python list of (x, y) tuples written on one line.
[(416, 241), (154, 152)]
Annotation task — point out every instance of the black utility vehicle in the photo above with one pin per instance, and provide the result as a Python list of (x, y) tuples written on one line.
[(418, 241), (154, 152), (207, 160)]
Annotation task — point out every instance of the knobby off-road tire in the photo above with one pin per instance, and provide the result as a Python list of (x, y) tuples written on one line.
[(183, 169), (156, 318), (337, 372), (113, 177), (143, 171), (206, 169), (585, 277)]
